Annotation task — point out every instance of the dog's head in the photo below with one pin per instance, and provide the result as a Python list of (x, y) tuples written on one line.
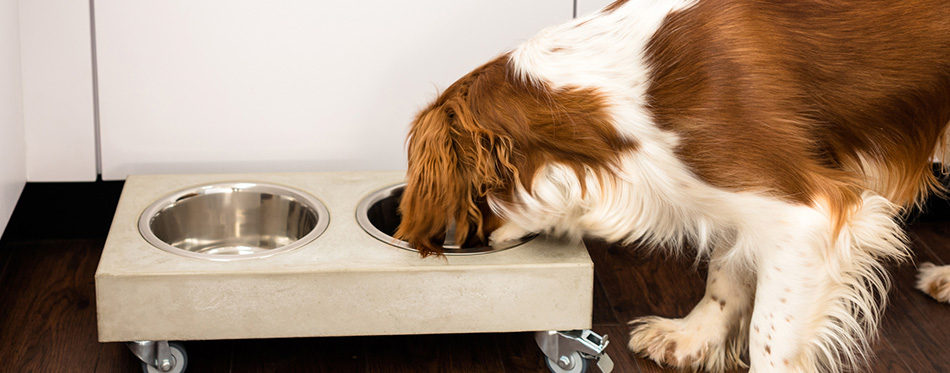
[(488, 131), (455, 160)]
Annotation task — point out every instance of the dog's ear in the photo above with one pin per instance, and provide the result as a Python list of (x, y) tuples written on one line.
[(434, 182), (485, 157), (485, 153), (454, 164)]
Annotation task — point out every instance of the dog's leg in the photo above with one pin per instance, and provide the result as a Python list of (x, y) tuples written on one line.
[(935, 280), (793, 297), (818, 300), (714, 335)]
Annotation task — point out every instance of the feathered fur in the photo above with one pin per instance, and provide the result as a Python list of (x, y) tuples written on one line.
[(781, 139)]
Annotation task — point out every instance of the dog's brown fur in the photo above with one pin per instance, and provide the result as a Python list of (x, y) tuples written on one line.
[(483, 132)]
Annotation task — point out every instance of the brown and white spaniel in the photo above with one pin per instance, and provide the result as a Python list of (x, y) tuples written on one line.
[(780, 139)]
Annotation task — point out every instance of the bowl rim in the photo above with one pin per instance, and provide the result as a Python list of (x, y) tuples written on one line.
[(450, 250), (147, 216)]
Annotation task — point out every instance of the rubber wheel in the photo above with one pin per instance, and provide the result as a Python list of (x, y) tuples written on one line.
[(179, 360), (580, 364)]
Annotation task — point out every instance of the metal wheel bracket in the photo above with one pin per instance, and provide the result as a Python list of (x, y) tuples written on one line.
[(156, 354), (559, 345)]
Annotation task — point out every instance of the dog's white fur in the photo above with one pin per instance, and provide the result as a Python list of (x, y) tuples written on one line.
[(817, 300), (793, 286)]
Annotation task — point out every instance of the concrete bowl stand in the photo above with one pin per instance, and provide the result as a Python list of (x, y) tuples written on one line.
[(344, 283)]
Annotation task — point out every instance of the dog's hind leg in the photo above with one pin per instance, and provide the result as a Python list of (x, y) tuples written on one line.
[(714, 336), (819, 297)]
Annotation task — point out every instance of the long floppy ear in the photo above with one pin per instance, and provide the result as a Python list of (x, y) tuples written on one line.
[(434, 184), (453, 165), (485, 158), (456, 162)]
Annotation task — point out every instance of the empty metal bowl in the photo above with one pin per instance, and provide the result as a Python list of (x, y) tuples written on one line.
[(237, 220), (378, 215)]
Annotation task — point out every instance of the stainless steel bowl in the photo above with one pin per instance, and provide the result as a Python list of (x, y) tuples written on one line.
[(378, 215), (235, 220)]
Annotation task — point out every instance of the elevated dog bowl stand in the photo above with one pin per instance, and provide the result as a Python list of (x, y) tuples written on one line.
[(343, 283)]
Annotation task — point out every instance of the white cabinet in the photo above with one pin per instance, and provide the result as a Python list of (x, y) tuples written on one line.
[(249, 86), (12, 143), (57, 90)]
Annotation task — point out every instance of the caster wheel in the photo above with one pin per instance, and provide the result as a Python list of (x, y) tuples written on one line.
[(577, 364), (179, 360)]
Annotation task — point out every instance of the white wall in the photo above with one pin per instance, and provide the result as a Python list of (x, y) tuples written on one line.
[(297, 85), (12, 144), (587, 6), (56, 55)]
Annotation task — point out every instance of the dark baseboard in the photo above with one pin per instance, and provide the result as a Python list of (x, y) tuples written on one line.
[(80, 210)]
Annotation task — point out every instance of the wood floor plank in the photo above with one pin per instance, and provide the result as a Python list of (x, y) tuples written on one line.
[(115, 357), (887, 360), (433, 353), (297, 355), (624, 360), (603, 314), (47, 303), (934, 237), (914, 324), (210, 356), (520, 353), (641, 284)]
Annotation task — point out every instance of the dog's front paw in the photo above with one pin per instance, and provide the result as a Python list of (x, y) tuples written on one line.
[(935, 280), (674, 343), (660, 339), (507, 232)]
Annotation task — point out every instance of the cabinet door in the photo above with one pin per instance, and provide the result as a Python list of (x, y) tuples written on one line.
[(250, 86), (12, 144), (55, 46)]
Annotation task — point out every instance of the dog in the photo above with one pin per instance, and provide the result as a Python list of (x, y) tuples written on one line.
[(780, 140)]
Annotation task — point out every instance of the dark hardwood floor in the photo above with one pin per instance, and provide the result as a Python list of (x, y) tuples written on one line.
[(50, 250)]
